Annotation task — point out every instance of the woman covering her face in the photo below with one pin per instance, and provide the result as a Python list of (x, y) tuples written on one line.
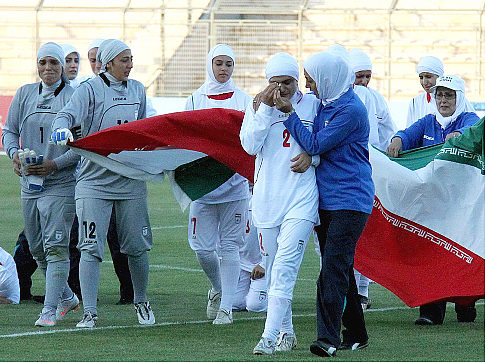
[(217, 220), (108, 100), (284, 202), (47, 177), (340, 136)]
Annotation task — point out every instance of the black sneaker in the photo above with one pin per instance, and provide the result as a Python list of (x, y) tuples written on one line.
[(352, 346), (424, 321), (323, 349)]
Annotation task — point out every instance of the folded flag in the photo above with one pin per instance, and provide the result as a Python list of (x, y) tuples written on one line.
[(425, 238), (199, 150)]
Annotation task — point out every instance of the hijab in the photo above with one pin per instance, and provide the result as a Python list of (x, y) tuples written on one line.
[(55, 51), (332, 74), (211, 86)]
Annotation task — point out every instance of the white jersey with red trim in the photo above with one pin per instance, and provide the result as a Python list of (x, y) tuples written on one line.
[(279, 193), (237, 187)]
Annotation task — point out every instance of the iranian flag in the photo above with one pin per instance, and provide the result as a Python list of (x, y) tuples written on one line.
[(425, 238), (196, 150)]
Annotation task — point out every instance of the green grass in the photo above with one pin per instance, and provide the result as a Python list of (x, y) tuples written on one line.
[(178, 298)]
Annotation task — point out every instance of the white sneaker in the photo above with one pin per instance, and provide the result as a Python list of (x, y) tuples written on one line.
[(285, 342), (66, 305), (89, 320), (46, 319), (213, 303), (264, 346), (223, 317), (144, 313)]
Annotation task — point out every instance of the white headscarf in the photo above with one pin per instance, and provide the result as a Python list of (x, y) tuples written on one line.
[(55, 51), (331, 73), (68, 49), (457, 84), (431, 65), (341, 51), (282, 64), (359, 60), (95, 44), (108, 50), (211, 86)]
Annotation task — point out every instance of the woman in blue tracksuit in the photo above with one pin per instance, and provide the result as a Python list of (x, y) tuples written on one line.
[(449, 120), (340, 136)]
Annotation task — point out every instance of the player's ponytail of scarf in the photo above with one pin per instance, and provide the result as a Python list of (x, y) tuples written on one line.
[(211, 86)]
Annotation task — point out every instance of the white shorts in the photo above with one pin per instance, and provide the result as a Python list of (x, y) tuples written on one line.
[(250, 294), (283, 248), (209, 224)]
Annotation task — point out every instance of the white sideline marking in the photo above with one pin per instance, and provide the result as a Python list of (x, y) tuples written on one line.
[(57, 331), (168, 227), (162, 324), (169, 267)]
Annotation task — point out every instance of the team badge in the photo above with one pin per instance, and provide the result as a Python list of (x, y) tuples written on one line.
[(144, 231), (238, 218), (300, 245), (262, 296), (59, 235)]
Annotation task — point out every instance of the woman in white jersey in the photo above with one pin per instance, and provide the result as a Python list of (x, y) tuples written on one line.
[(284, 203), (47, 186), (73, 59), (217, 220), (105, 101)]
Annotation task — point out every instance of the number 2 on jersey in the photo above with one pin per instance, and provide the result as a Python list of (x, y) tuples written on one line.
[(286, 137)]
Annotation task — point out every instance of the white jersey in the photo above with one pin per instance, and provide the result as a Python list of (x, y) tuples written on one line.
[(96, 106), (424, 104), (9, 281), (279, 194), (237, 187), (29, 119), (385, 126), (368, 99)]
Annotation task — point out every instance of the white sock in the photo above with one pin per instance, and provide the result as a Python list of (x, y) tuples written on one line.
[(89, 280), (287, 323), (277, 310), (230, 268), (139, 276), (209, 262), (55, 283), (363, 286)]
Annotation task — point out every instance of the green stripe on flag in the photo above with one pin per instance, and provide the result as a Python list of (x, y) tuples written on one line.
[(201, 176), (416, 158)]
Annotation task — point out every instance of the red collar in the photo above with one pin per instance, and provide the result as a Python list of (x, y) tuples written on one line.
[(428, 97), (221, 97)]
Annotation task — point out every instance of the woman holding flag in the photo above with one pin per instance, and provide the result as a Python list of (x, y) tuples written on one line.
[(217, 220), (105, 101)]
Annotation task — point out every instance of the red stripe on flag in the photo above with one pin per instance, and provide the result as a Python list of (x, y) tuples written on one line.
[(214, 132), (416, 263)]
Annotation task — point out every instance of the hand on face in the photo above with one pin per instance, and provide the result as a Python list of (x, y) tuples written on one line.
[(282, 104)]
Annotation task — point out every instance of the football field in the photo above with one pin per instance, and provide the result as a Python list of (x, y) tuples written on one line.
[(178, 295)]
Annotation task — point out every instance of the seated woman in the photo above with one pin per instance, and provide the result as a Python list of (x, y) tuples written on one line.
[(449, 120)]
